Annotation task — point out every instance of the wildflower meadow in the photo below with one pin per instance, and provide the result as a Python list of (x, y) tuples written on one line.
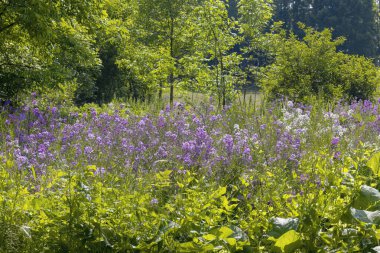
[(284, 177)]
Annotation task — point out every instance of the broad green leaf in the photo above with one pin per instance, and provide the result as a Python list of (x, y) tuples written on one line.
[(231, 241), (374, 164), (368, 197), (186, 246), (244, 182), (282, 225), (225, 232), (377, 234), (230, 232), (209, 237), (226, 205), (366, 216), (288, 242), (220, 192), (90, 170)]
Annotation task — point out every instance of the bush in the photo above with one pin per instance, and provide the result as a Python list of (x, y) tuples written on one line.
[(312, 67)]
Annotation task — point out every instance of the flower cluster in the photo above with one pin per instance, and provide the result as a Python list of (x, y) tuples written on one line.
[(182, 138)]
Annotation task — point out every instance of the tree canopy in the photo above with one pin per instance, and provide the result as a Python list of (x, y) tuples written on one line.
[(135, 49), (46, 42), (353, 19)]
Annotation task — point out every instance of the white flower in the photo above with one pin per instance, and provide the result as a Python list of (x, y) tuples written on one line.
[(339, 130)]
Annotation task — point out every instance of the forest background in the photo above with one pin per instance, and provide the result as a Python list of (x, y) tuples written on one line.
[(100, 50)]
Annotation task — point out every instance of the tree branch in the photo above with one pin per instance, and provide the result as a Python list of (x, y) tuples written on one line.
[(2, 29)]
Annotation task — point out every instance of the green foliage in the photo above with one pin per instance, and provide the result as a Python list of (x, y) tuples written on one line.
[(126, 49), (288, 242), (217, 40), (374, 163), (46, 43), (82, 211), (280, 226), (354, 19), (311, 67), (330, 204), (368, 198)]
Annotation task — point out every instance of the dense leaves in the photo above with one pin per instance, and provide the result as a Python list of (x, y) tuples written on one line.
[(45, 43), (144, 50), (313, 67)]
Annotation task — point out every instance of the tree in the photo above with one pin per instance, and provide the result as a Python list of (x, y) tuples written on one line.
[(46, 42), (293, 11), (219, 37), (114, 39), (254, 16), (222, 26), (377, 19), (353, 19), (126, 48), (164, 27), (313, 67)]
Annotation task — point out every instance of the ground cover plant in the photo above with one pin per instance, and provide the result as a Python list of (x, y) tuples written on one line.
[(282, 178)]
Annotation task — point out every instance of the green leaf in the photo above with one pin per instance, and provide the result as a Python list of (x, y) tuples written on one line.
[(239, 234), (288, 242), (9, 163), (368, 197), (220, 192), (282, 225), (225, 232), (187, 246), (374, 164), (366, 216), (33, 173), (234, 232), (231, 241), (164, 175), (377, 234), (171, 226), (209, 237)]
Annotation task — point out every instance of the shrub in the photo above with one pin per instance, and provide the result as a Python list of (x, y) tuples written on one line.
[(312, 67)]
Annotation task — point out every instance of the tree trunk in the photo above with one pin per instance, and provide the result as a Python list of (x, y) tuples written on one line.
[(171, 75), (222, 80), (160, 93)]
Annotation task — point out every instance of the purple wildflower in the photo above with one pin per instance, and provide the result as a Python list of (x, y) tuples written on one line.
[(88, 150), (154, 201), (335, 141), (228, 142)]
